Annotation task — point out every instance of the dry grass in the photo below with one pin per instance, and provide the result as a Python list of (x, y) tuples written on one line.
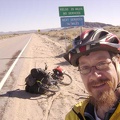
[(71, 33), (115, 30), (7, 36)]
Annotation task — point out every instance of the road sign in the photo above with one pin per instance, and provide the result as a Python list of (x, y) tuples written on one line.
[(72, 21), (71, 11)]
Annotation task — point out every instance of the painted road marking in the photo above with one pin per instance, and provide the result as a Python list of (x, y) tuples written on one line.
[(12, 66)]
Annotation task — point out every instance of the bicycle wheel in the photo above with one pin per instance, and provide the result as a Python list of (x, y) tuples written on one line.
[(53, 87), (67, 80)]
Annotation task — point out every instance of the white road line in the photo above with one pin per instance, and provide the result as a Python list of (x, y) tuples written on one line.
[(12, 66)]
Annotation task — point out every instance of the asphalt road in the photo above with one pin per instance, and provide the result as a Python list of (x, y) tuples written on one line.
[(10, 48)]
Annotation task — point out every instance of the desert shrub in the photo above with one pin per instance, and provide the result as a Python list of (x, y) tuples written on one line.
[(69, 47), (61, 37)]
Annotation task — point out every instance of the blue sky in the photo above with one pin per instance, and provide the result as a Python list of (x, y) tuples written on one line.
[(17, 15)]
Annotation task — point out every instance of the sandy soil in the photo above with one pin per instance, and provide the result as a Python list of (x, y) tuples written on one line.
[(26, 106)]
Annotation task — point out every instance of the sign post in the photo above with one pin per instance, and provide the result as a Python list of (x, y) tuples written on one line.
[(74, 16)]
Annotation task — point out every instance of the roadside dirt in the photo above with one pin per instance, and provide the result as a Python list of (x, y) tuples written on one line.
[(25, 106)]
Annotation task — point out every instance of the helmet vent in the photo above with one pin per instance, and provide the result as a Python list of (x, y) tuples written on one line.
[(114, 40), (104, 33)]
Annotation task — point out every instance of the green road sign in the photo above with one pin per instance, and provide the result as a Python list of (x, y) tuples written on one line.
[(71, 11)]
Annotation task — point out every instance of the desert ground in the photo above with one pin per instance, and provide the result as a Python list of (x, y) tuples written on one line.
[(25, 106)]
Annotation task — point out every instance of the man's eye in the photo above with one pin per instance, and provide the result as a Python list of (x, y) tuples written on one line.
[(84, 68), (101, 63)]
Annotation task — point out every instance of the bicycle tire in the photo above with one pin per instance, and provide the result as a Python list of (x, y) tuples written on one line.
[(52, 88), (67, 80)]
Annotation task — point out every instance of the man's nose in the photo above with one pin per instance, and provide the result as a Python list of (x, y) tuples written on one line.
[(95, 71)]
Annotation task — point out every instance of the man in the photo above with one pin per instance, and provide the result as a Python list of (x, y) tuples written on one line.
[(96, 55)]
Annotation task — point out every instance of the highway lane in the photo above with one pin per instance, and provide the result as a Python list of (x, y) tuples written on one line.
[(10, 48)]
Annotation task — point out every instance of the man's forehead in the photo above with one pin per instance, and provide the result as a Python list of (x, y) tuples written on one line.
[(95, 55)]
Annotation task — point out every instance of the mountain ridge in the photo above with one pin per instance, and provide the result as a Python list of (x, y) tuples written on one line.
[(86, 24)]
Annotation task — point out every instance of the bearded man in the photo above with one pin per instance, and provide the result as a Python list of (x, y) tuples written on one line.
[(96, 54)]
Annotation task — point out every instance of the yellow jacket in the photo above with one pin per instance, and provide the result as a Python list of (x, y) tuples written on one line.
[(85, 111)]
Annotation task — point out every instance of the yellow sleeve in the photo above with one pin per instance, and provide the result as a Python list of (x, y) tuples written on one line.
[(71, 116), (79, 108), (116, 115)]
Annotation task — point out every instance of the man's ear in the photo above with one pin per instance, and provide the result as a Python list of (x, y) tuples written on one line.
[(119, 59)]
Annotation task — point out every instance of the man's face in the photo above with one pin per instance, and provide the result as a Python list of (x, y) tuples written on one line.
[(97, 82)]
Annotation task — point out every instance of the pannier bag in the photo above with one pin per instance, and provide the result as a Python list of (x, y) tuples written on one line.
[(31, 81)]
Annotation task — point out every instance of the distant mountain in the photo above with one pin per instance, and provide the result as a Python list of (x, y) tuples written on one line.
[(18, 32), (96, 24), (1, 33), (87, 24), (93, 25)]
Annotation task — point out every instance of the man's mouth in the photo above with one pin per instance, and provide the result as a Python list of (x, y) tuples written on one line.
[(99, 85)]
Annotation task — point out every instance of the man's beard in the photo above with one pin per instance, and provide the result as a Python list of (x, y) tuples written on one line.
[(107, 98), (104, 98)]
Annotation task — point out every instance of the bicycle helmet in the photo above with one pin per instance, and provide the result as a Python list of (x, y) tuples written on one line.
[(92, 40)]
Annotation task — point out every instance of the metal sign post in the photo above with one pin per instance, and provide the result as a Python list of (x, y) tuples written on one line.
[(70, 21), (65, 40)]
